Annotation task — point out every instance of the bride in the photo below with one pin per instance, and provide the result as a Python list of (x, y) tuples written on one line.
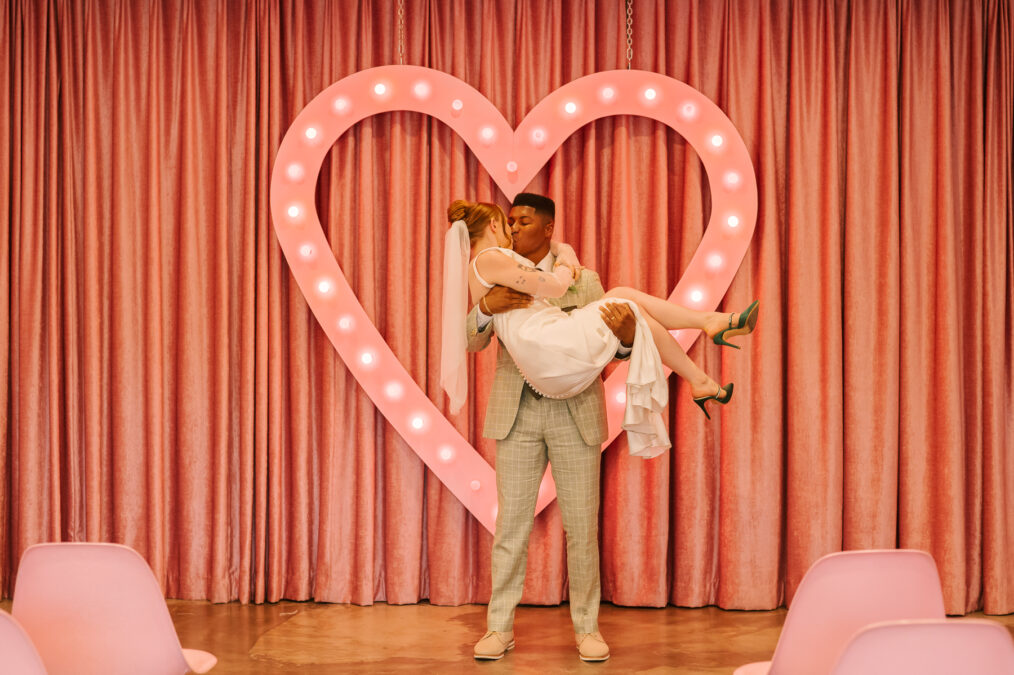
[(558, 353)]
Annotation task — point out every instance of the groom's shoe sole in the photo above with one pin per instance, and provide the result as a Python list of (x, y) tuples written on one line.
[(596, 659), (493, 657)]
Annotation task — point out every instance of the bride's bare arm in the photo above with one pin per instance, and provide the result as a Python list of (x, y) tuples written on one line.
[(497, 268)]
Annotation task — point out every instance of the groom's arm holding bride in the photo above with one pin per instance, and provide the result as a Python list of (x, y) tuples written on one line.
[(503, 299), (620, 319), (480, 323)]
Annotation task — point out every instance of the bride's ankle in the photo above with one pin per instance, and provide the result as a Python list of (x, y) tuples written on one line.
[(715, 322), (704, 386)]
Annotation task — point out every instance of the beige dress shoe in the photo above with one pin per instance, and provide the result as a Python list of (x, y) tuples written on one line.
[(591, 646), (494, 645)]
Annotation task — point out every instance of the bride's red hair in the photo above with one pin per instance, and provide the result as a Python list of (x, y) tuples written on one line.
[(475, 214)]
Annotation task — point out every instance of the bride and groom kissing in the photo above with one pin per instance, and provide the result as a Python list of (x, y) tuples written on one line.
[(557, 328)]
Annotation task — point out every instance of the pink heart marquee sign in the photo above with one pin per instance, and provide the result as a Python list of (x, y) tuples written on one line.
[(512, 157)]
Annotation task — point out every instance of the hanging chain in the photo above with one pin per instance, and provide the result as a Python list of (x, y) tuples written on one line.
[(630, 32), (401, 32)]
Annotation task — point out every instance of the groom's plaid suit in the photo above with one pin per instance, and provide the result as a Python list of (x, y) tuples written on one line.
[(529, 431)]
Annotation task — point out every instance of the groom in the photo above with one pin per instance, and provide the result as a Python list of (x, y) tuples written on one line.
[(531, 430)]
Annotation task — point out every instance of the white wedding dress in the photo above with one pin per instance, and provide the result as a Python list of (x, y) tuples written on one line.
[(561, 353)]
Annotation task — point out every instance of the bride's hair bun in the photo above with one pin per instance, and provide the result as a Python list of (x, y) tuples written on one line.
[(475, 214), (458, 210)]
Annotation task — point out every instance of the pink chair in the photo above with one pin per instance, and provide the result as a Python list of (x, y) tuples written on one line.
[(17, 653), (840, 594), (96, 608), (929, 647)]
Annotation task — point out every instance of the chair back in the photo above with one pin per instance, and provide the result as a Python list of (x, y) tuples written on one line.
[(95, 608), (18, 655), (843, 592), (929, 647)]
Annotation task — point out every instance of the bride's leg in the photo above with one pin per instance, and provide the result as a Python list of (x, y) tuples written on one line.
[(671, 315), (676, 359)]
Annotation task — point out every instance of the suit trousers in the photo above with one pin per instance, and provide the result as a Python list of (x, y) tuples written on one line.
[(545, 431)]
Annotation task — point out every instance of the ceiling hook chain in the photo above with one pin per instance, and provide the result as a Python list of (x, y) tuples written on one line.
[(401, 32), (630, 32)]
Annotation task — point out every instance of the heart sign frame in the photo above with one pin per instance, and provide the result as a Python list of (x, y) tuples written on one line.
[(512, 157)]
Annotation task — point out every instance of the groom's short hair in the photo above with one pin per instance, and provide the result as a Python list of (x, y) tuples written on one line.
[(541, 204)]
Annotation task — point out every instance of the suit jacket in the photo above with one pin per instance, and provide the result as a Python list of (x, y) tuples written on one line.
[(588, 409)]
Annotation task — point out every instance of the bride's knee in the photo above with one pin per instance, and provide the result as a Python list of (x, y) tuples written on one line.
[(621, 292)]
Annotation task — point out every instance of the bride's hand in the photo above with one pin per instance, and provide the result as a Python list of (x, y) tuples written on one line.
[(575, 270), (565, 255)]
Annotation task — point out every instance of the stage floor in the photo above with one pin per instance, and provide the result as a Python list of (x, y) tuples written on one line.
[(306, 637), (317, 638)]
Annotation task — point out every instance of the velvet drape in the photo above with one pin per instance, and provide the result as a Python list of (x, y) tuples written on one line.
[(163, 385)]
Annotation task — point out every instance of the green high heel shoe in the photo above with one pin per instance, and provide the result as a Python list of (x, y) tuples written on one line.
[(746, 323), (723, 396)]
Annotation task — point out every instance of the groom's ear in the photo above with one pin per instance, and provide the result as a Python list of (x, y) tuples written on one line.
[(549, 228)]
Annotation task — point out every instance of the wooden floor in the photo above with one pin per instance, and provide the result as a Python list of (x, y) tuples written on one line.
[(314, 638), (304, 637)]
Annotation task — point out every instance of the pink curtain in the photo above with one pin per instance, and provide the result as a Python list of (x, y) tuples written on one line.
[(162, 383)]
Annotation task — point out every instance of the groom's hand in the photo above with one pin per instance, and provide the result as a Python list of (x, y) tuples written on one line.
[(503, 299), (620, 319)]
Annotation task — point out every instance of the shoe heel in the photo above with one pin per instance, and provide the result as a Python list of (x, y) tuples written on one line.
[(723, 396), (744, 325), (719, 339)]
